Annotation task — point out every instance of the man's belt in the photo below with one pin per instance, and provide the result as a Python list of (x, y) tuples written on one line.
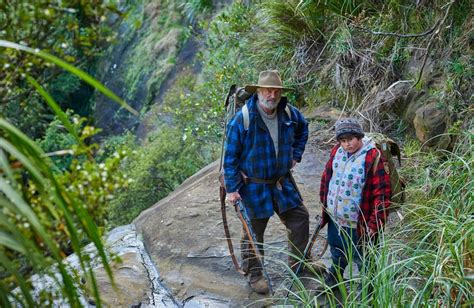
[(278, 182)]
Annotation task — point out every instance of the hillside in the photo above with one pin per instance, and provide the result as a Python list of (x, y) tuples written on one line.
[(77, 160)]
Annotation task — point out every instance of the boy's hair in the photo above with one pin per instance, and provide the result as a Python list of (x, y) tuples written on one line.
[(349, 136), (348, 127)]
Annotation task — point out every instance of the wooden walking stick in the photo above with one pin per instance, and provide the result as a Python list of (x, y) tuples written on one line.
[(306, 252), (244, 218)]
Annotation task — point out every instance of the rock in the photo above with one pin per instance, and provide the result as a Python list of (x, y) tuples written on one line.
[(192, 252), (132, 283), (137, 282), (415, 99), (394, 97), (431, 122)]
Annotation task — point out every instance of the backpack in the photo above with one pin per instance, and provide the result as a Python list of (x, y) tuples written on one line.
[(388, 149)]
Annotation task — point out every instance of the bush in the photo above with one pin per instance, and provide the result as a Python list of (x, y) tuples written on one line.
[(153, 171)]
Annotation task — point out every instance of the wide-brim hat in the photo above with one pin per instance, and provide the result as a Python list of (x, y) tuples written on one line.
[(267, 79)]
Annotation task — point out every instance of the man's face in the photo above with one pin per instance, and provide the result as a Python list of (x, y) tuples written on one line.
[(351, 144), (269, 97)]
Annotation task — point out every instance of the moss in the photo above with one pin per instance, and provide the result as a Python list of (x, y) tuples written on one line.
[(156, 47)]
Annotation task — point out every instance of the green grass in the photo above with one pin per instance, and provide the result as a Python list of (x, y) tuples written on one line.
[(426, 259)]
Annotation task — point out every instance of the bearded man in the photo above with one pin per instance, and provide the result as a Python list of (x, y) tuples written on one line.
[(258, 160)]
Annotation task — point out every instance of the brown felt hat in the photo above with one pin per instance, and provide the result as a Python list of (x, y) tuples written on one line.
[(267, 79)]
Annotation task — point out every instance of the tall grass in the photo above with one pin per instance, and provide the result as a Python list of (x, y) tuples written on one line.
[(427, 259)]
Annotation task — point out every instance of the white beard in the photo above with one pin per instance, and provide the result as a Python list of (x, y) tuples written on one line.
[(267, 104)]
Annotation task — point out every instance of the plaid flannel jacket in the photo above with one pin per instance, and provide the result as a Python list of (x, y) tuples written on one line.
[(253, 153), (375, 194)]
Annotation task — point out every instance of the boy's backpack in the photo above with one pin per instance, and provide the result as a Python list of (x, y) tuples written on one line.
[(388, 149)]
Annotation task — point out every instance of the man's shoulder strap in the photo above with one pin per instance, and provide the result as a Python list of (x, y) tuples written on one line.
[(245, 115)]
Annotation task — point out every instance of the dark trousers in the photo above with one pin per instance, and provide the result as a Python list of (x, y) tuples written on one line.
[(343, 242), (296, 221)]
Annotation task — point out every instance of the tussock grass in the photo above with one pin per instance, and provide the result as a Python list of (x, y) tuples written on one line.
[(424, 260)]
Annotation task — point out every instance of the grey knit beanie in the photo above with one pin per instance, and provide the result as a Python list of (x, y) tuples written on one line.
[(348, 126)]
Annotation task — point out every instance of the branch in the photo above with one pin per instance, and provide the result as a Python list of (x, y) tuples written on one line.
[(409, 35), (428, 48)]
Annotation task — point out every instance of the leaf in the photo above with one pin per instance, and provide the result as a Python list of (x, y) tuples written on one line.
[(76, 71)]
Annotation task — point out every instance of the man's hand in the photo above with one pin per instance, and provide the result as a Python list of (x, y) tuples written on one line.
[(233, 197), (294, 163)]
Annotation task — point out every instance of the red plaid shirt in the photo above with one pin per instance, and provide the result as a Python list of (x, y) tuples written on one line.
[(375, 194)]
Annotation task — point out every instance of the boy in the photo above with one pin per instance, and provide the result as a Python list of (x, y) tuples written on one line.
[(355, 195)]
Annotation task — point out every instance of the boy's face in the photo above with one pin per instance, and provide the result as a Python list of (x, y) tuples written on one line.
[(351, 144)]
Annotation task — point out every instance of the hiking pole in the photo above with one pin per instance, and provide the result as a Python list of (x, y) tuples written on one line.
[(246, 223), (222, 194), (307, 250)]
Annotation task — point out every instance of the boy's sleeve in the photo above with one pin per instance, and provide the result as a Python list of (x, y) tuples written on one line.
[(381, 192)]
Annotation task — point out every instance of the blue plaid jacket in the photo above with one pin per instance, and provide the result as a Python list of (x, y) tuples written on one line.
[(253, 152)]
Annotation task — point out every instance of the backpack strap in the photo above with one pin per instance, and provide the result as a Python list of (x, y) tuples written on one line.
[(288, 112), (245, 114), (377, 160)]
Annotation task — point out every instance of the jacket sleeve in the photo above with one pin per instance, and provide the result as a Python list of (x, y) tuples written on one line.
[(324, 187), (233, 149), (301, 134), (380, 196)]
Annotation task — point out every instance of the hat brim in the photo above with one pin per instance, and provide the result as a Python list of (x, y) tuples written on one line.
[(252, 88)]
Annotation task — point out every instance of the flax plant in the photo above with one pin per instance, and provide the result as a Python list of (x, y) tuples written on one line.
[(28, 246)]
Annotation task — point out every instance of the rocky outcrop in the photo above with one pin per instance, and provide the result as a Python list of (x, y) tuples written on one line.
[(185, 237), (137, 281), (431, 122)]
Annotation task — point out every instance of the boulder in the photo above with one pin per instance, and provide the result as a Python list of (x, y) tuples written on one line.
[(137, 281), (394, 98), (431, 122)]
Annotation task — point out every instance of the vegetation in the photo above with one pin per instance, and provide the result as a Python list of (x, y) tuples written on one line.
[(44, 215), (336, 52), (74, 31)]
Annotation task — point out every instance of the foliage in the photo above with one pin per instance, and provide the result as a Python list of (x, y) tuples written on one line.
[(44, 216), (75, 31), (58, 141), (194, 8), (154, 170)]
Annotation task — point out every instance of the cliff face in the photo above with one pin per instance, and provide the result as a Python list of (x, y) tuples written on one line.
[(153, 43)]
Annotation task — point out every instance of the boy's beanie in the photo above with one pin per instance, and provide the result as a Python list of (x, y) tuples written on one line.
[(348, 126)]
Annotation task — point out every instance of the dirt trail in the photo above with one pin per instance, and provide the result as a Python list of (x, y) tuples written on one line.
[(184, 234)]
